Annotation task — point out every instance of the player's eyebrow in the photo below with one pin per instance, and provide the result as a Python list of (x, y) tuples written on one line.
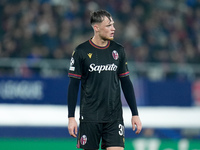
[(111, 22)]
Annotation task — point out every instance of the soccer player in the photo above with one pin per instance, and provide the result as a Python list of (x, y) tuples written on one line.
[(100, 65)]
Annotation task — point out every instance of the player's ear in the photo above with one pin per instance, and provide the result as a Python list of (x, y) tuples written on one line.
[(96, 27)]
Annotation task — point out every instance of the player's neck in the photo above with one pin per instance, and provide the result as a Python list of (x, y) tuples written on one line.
[(98, 41)]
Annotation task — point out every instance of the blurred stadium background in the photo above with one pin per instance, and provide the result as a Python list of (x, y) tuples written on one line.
[(162, 41)]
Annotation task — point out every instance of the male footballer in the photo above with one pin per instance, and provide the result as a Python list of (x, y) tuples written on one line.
[(100, 65)]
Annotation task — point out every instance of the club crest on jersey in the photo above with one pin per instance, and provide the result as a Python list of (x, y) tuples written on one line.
[(83, 140), (115, 55)]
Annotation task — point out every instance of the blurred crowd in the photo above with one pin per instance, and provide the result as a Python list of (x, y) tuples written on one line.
[(150, 30)]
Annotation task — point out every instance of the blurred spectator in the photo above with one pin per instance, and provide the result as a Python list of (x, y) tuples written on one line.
[(151, 30)]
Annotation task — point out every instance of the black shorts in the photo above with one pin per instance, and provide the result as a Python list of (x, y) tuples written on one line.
[(110, 134)]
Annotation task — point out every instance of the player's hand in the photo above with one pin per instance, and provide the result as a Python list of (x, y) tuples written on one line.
[(136, 123), (72, 127)]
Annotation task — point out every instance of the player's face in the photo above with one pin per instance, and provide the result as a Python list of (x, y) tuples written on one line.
[(107, 29)]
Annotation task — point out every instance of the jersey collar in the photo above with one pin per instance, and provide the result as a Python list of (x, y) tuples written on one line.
[(99, 47)]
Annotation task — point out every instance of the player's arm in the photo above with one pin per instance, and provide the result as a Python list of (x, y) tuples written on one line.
[(128, 90), (72, 100)]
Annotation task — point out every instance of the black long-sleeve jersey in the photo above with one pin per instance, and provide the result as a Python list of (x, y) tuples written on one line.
[(99, 69)]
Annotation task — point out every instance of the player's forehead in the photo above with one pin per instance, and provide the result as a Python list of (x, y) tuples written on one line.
[(108, 20)]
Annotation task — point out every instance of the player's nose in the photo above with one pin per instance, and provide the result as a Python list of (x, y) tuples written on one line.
[(113, 28)]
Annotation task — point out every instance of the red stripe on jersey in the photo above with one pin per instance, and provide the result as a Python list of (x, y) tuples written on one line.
[(124, 74), (99, 47), (74, 75)]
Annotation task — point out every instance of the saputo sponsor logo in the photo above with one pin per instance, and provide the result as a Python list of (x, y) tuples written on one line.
[(100, 68)]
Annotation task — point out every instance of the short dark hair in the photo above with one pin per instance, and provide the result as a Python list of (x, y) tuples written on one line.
[(98, 16)]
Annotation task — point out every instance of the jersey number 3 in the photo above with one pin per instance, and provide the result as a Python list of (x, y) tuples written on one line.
[(121, 130)]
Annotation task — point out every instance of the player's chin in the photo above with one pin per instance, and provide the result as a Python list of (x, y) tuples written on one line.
[(111, 38)]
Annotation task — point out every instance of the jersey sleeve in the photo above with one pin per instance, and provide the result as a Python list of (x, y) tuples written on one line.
[(75, 69), (123, 67)]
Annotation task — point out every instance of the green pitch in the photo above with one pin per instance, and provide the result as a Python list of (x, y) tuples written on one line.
[(70, 144), (37, 144)]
